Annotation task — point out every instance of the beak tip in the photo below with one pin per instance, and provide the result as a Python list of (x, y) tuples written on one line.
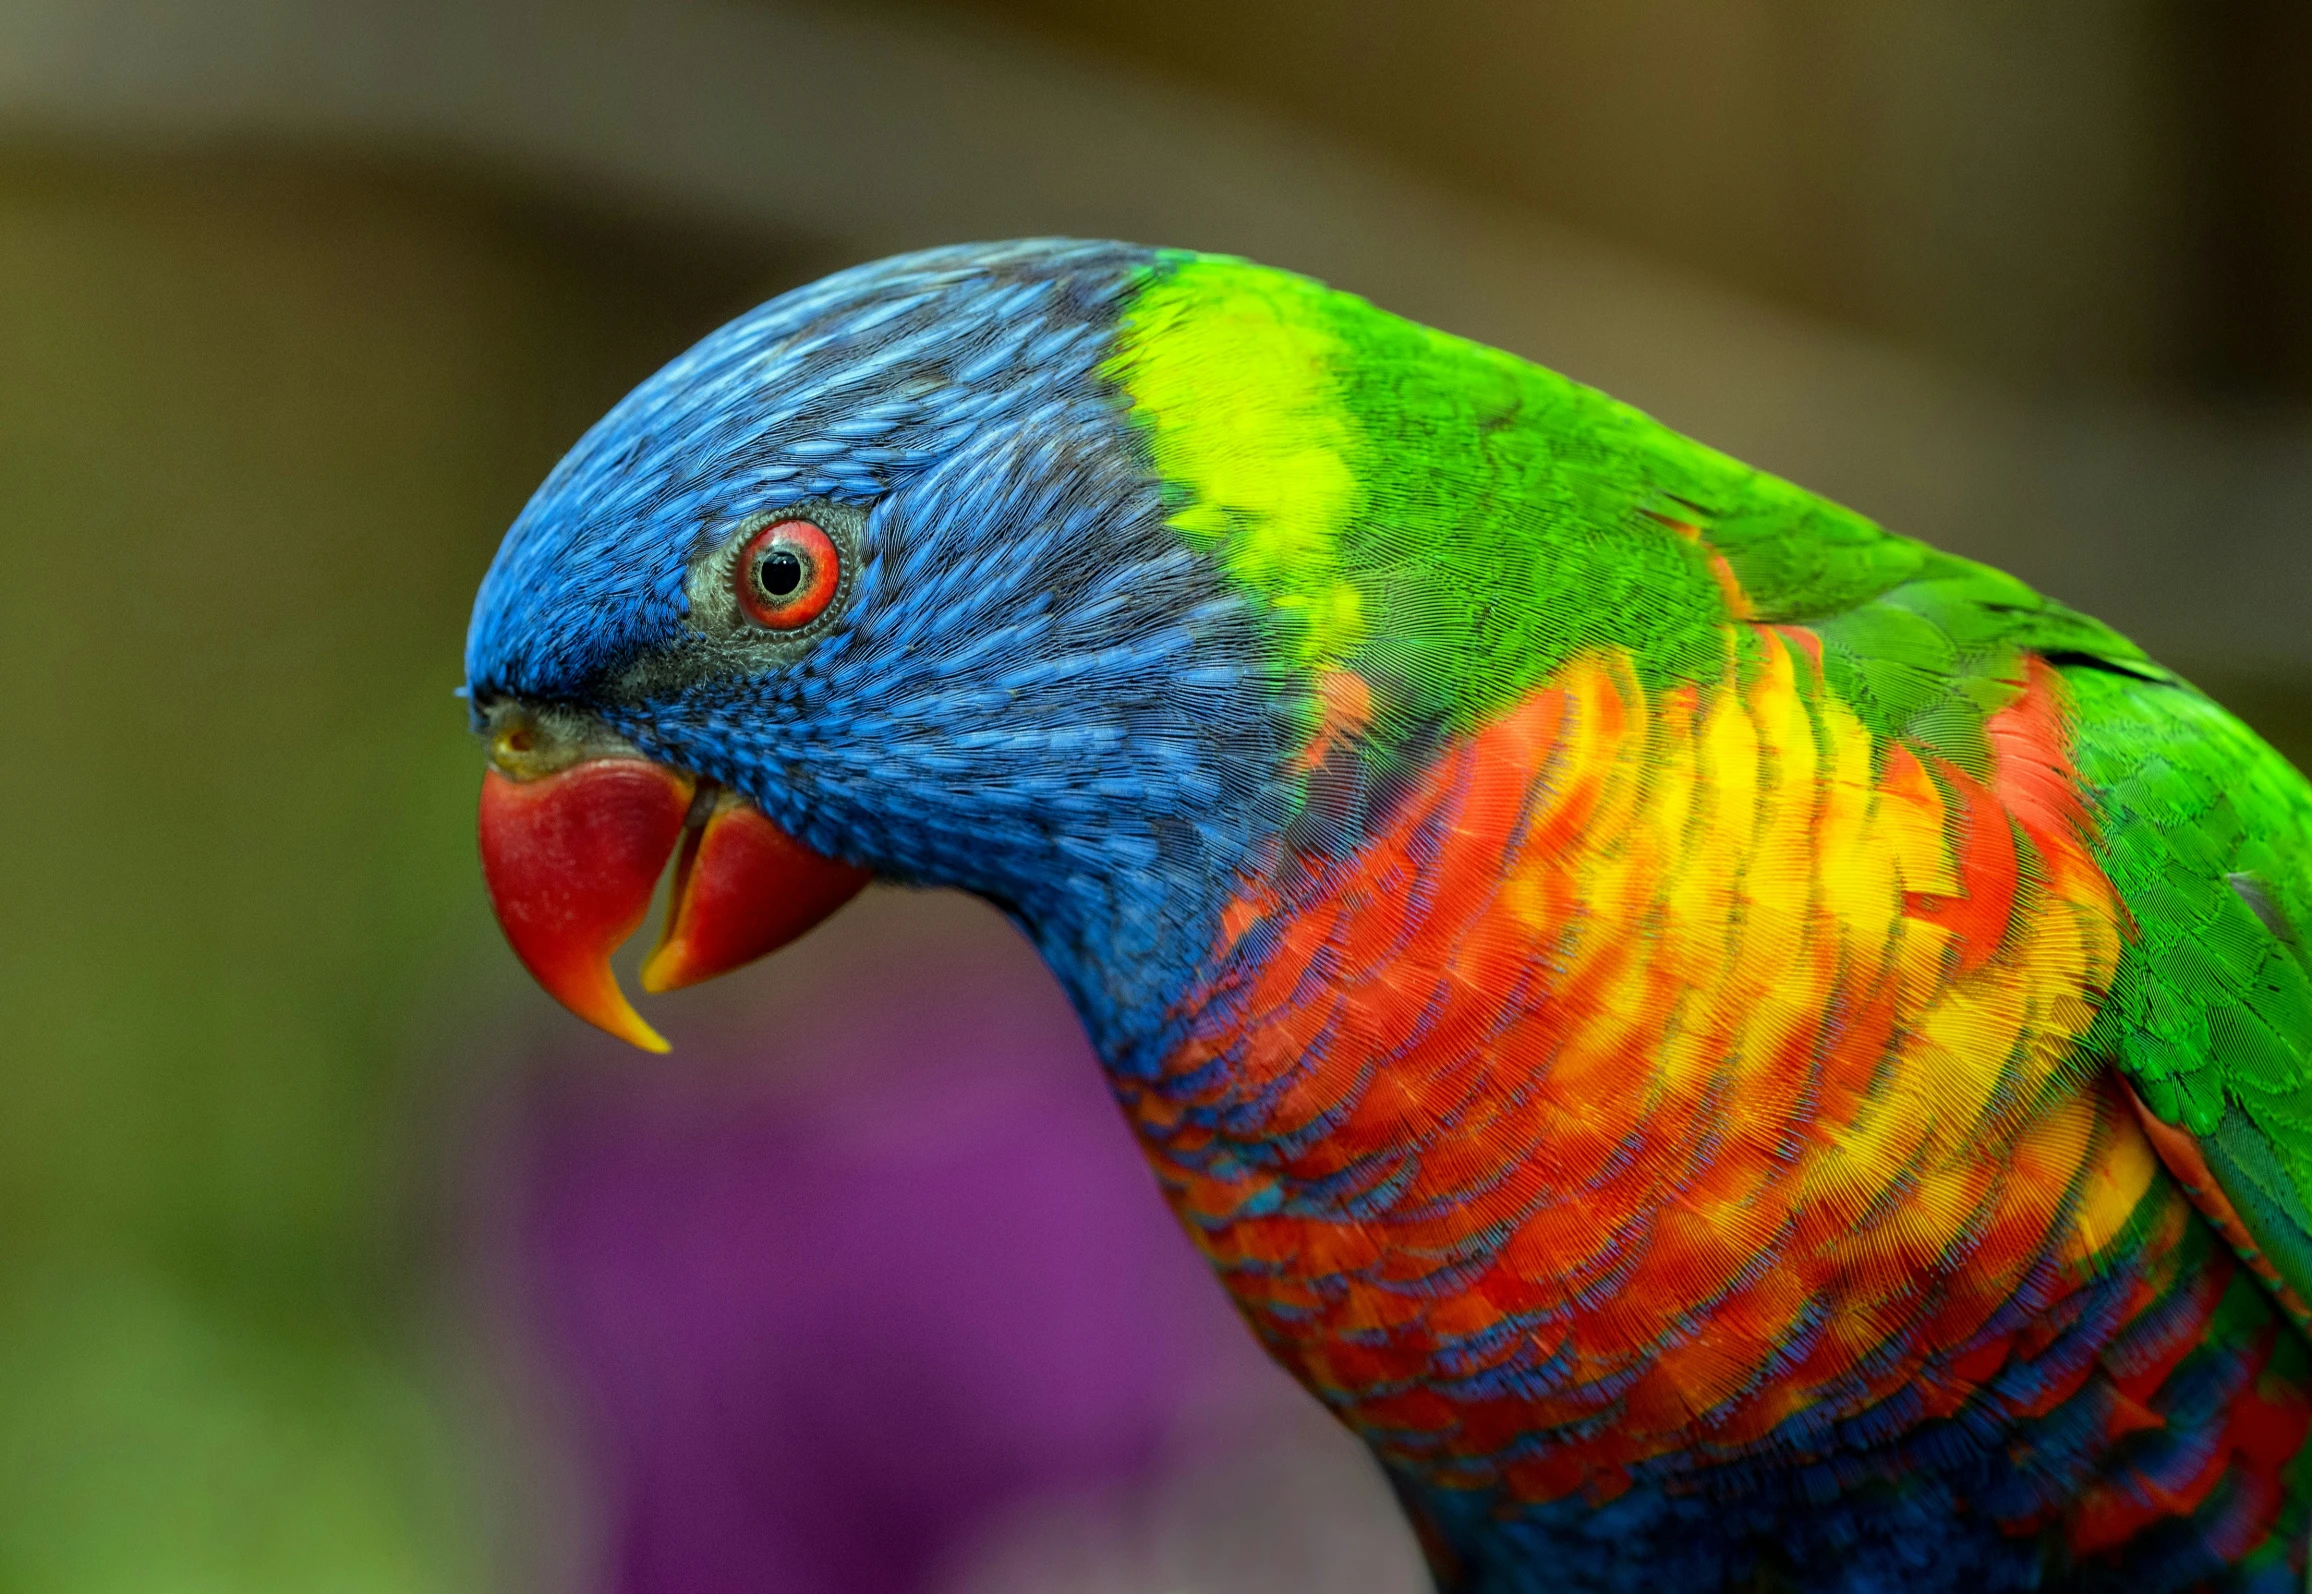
[(640, 1036), (613, 1014), (592, 996)]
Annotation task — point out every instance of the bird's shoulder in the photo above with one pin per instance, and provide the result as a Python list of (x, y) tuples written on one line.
[(2202, 830)]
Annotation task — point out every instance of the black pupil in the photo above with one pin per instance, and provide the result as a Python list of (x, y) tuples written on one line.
[(780, 573)]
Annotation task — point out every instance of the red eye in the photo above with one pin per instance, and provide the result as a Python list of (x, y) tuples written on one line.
[(788, 574)]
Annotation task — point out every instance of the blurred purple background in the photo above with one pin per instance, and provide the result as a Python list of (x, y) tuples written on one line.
[(869, 1279)]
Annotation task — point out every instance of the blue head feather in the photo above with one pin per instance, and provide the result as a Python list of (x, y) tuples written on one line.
[(1035, 689)]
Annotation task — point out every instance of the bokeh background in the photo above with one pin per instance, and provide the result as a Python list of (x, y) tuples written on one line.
[(332, 1258)]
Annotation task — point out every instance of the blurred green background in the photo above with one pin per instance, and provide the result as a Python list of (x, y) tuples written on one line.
[(270, 392), (263, 421)]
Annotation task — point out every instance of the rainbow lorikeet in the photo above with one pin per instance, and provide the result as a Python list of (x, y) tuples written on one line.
[(1736, 1050)]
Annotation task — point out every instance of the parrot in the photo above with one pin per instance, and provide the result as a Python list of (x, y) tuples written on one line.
[(1732, 1048)]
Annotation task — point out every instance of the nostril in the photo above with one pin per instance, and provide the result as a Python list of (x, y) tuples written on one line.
[(516, 748), (526, 741)]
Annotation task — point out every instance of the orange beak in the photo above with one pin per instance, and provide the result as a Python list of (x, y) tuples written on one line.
[(573, 857)]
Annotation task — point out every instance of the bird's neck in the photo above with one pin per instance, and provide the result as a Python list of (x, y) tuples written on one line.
[(1134, 919), (1126, 947)]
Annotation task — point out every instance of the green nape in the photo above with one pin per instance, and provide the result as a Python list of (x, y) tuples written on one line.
[(1453, 523)]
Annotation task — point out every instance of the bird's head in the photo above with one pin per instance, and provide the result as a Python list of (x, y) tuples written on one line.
[(882, 579)]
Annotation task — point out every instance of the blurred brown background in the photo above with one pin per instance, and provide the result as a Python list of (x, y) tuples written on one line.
[(298, 301), (2080, 192)]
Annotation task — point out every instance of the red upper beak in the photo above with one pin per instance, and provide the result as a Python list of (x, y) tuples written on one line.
[(573, 857)]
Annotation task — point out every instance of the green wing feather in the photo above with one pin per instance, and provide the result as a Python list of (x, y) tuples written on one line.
[(2207, 833)]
